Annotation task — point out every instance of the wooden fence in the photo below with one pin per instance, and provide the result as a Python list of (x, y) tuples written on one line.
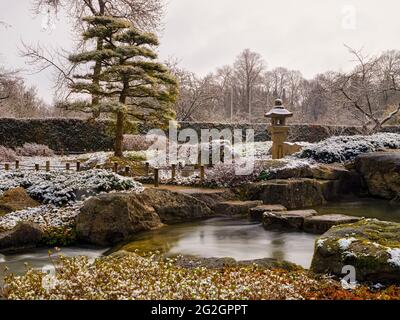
[(124, 171)]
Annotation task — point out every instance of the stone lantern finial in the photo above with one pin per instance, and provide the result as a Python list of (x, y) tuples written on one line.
[(278, 129)]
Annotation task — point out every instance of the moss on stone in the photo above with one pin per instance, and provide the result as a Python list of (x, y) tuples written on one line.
[(367, 252)]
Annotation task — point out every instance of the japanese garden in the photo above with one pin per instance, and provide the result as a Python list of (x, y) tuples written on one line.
[(139, 179)]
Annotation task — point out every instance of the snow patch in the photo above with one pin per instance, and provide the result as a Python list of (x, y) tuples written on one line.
[(394, 257), (320, 242), (345, 243), (63, 187), (346, 148)]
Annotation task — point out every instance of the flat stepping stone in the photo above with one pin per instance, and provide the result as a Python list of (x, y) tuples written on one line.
[(236, 208), (257, 213), (286, 220), (321, 224)]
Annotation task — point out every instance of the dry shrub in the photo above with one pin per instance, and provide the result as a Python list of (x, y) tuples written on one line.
[(7, 154), (138, 142), (33, 150)]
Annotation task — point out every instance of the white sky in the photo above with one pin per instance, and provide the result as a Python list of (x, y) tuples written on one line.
[(306, 35)]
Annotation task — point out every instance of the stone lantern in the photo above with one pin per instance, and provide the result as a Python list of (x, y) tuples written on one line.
[(279, 129)]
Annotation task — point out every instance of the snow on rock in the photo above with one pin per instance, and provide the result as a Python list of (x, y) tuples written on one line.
[(394, 257), (345, 243), (320, 242), (62, 187), (346, 148)]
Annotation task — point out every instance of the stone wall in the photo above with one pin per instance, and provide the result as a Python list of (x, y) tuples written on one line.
[(77, 135)]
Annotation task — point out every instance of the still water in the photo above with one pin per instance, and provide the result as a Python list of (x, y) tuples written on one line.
[(364, 207), (39, 259), (221, 237)]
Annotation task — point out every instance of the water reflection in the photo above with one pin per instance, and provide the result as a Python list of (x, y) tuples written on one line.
[(364, 207), (222, 237), (39, 258)]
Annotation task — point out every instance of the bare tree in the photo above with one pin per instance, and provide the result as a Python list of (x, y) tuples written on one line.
[(248, 69), (17, 100), (366, 89), (196, 95), (144, 14)]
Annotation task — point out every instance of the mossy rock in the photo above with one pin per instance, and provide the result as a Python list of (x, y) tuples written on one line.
[(16, 199), (372, 247)]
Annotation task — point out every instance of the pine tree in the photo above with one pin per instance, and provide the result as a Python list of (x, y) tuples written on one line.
[(131, 84)]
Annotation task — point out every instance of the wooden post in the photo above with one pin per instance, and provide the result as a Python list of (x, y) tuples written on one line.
[(78, 166), (127, 170), (67, 166), (115, 169), (147, 173), (47, 166), (173, 169), (156, 178), (202, 175), (6, 166), (16, 164), (37, 167)]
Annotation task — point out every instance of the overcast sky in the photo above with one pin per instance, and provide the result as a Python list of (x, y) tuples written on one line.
[(306, 35)]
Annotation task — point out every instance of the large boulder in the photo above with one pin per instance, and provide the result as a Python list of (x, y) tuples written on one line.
[(257, 213), (329, 171), (286, 220), (16, 199), (175, 207), (236, 208), (25, 235), (111, 218), (381, 172), (211, 197), (372, 247), (321, 224), (291, 193)]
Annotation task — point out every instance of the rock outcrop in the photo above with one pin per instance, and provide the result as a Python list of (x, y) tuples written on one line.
[(291, 193), (372, 247), (111, 218), (26, 235), (210, 197), (381, 172), (175, 207), (286, 220), (257, 213), (236, 208), (16, 199), (321, 224)]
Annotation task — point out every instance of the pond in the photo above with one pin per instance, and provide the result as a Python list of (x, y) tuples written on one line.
[(222, 237), (363, 207)]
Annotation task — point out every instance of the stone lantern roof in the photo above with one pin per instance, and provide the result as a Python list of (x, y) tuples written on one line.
[(279, 111)]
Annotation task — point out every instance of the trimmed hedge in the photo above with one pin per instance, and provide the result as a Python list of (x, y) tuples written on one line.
[(76, 135), (73, 135)]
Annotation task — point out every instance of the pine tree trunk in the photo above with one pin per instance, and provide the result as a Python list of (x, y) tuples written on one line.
[(119, 134)]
